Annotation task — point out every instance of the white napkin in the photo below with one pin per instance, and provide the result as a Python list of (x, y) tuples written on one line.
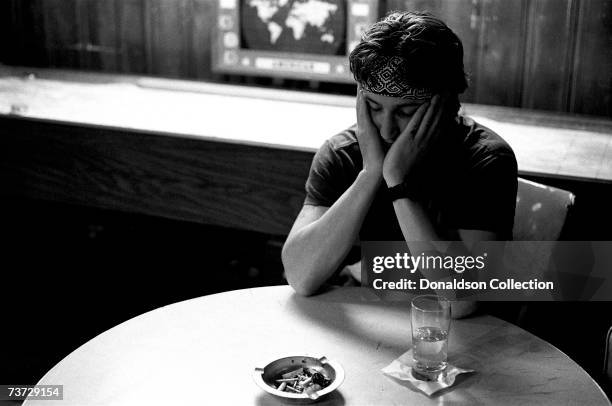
[(401, 368)]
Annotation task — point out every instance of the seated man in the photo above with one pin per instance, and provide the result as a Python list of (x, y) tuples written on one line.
[(411, 168)]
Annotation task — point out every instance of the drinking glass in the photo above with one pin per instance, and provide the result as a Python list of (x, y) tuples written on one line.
[(430, 327)]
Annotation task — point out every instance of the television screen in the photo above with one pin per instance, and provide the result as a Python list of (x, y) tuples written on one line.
[(300, 39)]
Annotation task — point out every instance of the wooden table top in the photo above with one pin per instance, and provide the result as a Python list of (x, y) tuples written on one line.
[(548, 144), (203, 351)]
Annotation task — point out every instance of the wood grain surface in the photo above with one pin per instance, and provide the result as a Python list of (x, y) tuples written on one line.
[(227, 184), (591, 80)]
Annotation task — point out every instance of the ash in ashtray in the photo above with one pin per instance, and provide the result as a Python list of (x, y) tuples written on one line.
[(302, 380)]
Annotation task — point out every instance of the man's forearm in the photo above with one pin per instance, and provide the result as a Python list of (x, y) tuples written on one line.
[(417, 228), (421, 237), (414, 221), (314, 252)]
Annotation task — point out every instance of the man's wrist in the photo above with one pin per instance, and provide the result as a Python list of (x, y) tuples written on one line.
[(392, 182), (398, 191), (371, 176), (392, 179), (405, 190)]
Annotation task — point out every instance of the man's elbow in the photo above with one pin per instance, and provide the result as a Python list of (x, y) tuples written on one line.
[(301, 286), (294, 274), (304, 290)]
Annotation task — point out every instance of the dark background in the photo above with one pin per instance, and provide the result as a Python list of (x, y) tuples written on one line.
[(70, 273)]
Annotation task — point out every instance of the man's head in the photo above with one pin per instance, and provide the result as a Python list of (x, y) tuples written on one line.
[(401, 62), (409, 54)]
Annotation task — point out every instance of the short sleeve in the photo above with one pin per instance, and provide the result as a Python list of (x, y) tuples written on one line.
[(488, 200), (331, 173)]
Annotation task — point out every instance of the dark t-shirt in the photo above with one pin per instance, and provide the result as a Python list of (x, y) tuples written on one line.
[(468, 181)]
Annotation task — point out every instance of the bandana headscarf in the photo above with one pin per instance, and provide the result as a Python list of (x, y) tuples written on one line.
[(388, 79)]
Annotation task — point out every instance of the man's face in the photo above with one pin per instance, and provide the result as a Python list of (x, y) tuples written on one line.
[(390, 115)]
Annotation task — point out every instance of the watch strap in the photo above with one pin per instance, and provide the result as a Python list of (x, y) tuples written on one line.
[(403, 190)]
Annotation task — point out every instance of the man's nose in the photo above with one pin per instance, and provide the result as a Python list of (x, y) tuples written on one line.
[(388, 128)]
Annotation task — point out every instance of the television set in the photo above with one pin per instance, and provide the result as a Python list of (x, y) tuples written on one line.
[(296, 39)]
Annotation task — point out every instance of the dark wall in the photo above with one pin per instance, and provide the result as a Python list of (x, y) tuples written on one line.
[(538, 54), (74, 272)]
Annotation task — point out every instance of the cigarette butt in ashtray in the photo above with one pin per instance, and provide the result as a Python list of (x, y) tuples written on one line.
[(306, 381), (293, 389), (287, 380), (293, 374)]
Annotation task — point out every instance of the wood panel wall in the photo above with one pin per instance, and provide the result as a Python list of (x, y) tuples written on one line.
[(537, 54), (245, 187)]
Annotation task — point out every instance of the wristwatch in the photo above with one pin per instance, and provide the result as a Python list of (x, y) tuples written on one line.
[(403, 190)]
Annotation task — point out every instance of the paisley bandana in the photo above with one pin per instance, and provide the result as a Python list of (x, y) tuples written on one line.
[(387, 79)]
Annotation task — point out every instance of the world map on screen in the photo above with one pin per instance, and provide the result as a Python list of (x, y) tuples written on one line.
[(303, 26)]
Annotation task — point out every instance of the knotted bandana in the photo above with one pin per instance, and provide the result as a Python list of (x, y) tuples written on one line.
[(388, 78)]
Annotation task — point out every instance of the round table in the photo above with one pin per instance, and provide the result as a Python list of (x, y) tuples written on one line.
[(203, 351)]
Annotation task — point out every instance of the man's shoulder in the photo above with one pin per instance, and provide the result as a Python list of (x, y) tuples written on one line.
[(341, 149), (344, 140), (334, 168), (483, 145)]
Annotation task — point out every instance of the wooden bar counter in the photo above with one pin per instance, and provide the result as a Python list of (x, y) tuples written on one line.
[(219, 154)]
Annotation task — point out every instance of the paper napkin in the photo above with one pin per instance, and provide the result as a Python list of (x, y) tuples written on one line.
[(401, 368)]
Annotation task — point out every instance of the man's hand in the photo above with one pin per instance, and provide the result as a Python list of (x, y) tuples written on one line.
[(415, 141), (368, 138)]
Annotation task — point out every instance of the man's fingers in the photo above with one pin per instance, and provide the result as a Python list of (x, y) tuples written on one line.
[(431, 122), (359, 105), (363, 114), (414, 124), (361, 119), (431, 115), (432, 111)]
